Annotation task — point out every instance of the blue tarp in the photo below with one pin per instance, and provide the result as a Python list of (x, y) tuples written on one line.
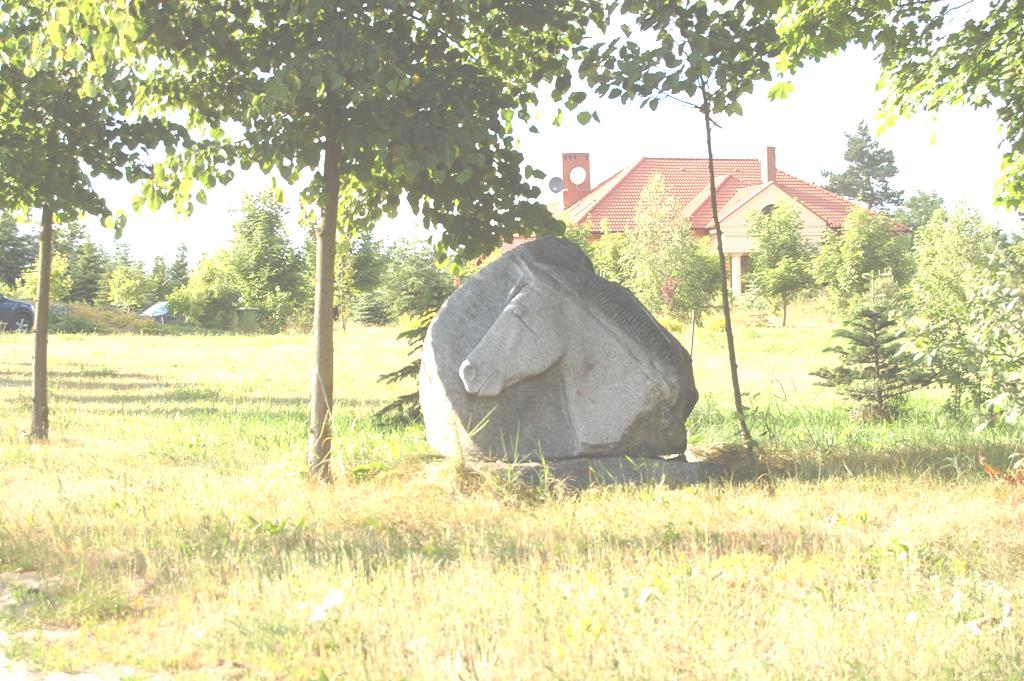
[(159, 310)]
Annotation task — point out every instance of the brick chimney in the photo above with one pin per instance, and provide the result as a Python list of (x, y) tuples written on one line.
[(768, 165), (576, 176)]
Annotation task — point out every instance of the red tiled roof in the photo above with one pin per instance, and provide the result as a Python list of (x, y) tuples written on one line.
[(615, 199)]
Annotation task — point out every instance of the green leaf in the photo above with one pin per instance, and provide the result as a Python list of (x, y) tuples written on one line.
[(780, 90)]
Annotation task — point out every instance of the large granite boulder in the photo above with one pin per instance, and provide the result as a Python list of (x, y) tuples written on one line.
[(537, 358)]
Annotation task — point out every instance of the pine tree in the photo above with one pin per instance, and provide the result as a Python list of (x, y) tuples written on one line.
[(17, 251), (89, 267), (872, 371), (158, 275), (867, 177), (178, 273)]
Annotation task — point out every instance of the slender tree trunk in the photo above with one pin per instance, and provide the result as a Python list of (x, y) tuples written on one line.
[(785, 308), (693, 330), (40, 406), (321, 404), (748, 441)]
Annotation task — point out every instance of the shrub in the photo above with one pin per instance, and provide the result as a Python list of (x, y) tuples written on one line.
[(372, 309), (866, 245), (212, 295), (996, 307), (781, 259), (664, 265), (128, 287), (951, 254), (608, 255), (873, 370), (413, 282), (83, 318), (27, 288)]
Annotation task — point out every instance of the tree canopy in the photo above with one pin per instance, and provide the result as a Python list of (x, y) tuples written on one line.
[(866, 246), (59, 127), (871, 168), (781, 259), (665, 266), (931, 54), (372, 78)]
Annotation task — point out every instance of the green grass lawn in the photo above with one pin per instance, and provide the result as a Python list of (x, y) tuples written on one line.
[(168, 530)]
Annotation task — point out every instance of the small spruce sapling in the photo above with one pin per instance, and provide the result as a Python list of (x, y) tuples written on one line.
[(873, 371)]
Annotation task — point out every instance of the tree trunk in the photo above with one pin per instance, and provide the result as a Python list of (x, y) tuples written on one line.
[(748, 441), (785, 308), (40, 406), (321, 404)]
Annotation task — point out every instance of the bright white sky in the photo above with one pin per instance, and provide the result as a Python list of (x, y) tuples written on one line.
[(956, 153)]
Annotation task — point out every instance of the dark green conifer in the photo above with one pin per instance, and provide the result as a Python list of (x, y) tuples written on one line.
[(873, 372)]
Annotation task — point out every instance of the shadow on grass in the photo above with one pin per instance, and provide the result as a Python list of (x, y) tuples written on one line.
[(98, 391), (817, 442)]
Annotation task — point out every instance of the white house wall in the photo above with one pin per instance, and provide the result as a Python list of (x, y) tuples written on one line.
[(736, 240)]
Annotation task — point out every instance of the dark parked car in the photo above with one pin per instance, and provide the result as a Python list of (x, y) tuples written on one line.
[(16, 315)]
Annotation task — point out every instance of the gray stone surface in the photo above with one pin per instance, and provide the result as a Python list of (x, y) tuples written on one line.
[(538, 358)]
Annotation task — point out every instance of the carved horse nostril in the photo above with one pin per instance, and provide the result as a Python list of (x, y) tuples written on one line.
[(468, 374)]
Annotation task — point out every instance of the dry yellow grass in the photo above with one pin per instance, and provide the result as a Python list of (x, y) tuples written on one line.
[(171, 532)]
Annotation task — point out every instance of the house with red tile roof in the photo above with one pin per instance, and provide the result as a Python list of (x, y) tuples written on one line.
[(742, 185)]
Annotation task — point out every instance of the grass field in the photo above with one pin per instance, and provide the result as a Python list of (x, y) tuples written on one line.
[(168, 531)]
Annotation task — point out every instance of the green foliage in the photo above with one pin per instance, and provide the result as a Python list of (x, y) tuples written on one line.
[(414, 283), (367, 81), (579, 235), (668, 270), (344, 279), (608, 254), (368, 261), (17, 251), (931, 55), (952, 253), (406, 408), (212, 295), (88, 266), (129, 288), (918, 210), (867, 176), (865, 245), (704, 51), (372, 308), (873, 370), (87, 262), (711, 54), (27, 288), (63, 118), (996, 307), (781, 259), (178, 273), (82, 318), (269, 270), (158, 276)]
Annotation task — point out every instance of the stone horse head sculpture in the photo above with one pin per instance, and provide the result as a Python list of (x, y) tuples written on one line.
[(537, 356)]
